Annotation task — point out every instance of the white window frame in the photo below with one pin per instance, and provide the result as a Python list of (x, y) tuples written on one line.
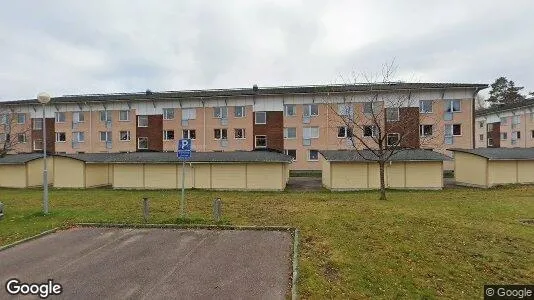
[(189, 114), (256, 117), (391, 134), (23, 117), (168, 112), (108, 134), (345, 129), (105, 116), (3, 119), (189, 134), (307, 110), (421, 106), (139, 142), (504, 136), (165, 133), (461, 130), (256, 141), (35, 143), (58, 134), (242, 109), (374, 107), (76, 136), (60, 113), (345, 109), (373, 131), (503, 120), (243, 133), (128, 135), (24, 140), (422, 130), (221, 130), (127, 115), (286, 133), (389, 109), (286, 152), (220, 112), (307, 132), (76, 117), (450, 105), (309, 155), (37, 121), (294, 110), (139, 120), (516, 120), (517, 135)]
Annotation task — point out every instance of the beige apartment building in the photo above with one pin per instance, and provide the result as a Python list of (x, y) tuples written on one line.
[(299, 121), (506, 126)]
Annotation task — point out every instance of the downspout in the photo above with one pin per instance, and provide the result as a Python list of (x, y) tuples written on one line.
[(90, 128), (203, 127)]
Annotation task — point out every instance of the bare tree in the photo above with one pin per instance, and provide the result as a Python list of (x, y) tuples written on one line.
[(388, 124), (12, 132), (480, 102)]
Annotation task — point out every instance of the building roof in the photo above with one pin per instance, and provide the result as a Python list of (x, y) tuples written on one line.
[(170, 157), (16, 159), (503, 107), (501, 153), (366, 155), (283, 90)]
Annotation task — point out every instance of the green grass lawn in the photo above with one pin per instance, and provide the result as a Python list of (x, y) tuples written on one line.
[(418, 244)]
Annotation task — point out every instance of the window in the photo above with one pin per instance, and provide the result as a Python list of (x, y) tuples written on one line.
[(260, 141), (260, 117), (504, 120), (124, 135), (142, 121), (189, 114), (21, 118), (37, 124), (490, 142), (393, 139), (239, 133), (370, 107), (481, 137), (78, 117), (220, 112), (310, 110), (124, 115), (532, 134), (21, 137), (168, 113), (516, 120), (220, 134), (392, 114), (516, 135), (504, 135), (345, 109), (78, 137), (290, 133), (142, 143), (105, 116), (37, 144), (61, 137), (189, 134), (369, 130), (343, 132), (168, 135), (454, 105), (60, 117), (310, 132), (313, 155), (105, 136), (425, 130), (490, 127), (425, 106), (456, 129), (290, 110), (292, 153), (481, 124), (3, 119), (240, 111)]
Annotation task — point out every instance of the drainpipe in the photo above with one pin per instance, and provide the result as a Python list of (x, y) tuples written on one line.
[(90, 127), (204, 127)]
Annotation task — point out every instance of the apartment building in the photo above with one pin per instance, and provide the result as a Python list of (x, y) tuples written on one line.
[(506, 126), (297, 120)]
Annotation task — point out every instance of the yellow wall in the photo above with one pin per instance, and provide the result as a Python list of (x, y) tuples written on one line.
[(160, 176), (69, 173), (525, 171), (265, 176), (189, 176), (202, 176), (424, 174), (346, 175), (228, 176), (96, 175), (502, 172), (395, 175), (129, 176), (470, 169), (373, 179), (35, 171), (110, 174), (325, 172), (13, 176)]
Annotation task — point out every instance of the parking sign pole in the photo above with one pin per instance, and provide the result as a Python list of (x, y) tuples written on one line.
[(182, 203)]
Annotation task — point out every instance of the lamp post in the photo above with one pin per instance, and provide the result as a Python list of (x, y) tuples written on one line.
[(44, 98)]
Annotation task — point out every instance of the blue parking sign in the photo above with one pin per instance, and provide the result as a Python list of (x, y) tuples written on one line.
[(184, 148)]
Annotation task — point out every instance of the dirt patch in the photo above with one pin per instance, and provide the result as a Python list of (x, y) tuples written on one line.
[(527, 222), (304, 184)]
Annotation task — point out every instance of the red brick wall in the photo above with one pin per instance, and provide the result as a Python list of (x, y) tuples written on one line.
[(274, 130), (50, 135), (407, 127), (495, 134), (154, 132)]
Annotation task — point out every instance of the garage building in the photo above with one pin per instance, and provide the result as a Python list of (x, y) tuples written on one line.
[(83, 170), (24, 170), (359, 170), (487, 167)]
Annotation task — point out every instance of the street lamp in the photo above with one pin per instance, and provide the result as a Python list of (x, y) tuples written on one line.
[(44, 98)]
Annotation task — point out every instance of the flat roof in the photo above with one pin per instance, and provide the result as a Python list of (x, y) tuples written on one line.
[(367, 155), (500, 153), (19, 159), (170, 157), (254, 91)]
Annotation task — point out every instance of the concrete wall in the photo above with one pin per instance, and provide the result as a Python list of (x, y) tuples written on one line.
[(525, 171), (366, 175), (70, 173), (13, 176), (510, 172), (97, 175), (128, 176), (470, 169), (35, 171), (228, 176)]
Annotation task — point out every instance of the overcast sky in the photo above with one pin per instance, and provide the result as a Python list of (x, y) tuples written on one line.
[(78, 47)]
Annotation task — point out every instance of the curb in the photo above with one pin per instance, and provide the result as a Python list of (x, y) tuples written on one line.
[(28, 239)]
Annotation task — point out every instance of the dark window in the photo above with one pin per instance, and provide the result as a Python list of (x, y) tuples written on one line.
[(393, 139), (369, 130), (292, 153), (457, 129)]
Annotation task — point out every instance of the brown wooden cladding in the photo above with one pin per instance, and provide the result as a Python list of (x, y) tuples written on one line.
[(407, 127), (495, 135), (50, 135), (154, 133), (273, 130)]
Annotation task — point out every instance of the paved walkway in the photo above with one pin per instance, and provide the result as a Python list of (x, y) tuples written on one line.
[(112, 263)]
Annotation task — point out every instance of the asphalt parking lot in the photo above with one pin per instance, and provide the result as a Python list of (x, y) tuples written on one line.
[(96, 263)]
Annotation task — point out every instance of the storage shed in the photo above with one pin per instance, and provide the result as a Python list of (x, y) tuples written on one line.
[(359, 170), (83, 170), (24, 170), (487, 167)]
